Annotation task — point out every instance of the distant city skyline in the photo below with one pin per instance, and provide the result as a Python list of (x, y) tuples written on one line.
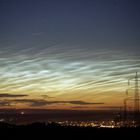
[(68, 54)]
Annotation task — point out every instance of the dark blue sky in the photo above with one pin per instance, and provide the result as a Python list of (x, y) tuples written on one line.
[(97, 22)]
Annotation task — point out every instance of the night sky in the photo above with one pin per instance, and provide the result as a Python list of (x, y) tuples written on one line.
[(67, 54)]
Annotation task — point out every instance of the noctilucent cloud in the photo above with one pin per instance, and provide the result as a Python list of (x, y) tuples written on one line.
[(67, 53)]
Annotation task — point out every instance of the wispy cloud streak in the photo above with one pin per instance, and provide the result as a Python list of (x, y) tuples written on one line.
[(61, 70)]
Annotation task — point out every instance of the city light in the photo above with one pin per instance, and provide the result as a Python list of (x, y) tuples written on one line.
[(22, 113), (99, 124)]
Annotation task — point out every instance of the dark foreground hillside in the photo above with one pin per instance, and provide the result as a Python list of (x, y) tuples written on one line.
[(53, 130)]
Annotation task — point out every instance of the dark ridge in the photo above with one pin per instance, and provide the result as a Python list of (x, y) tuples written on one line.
[(55, 131)]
